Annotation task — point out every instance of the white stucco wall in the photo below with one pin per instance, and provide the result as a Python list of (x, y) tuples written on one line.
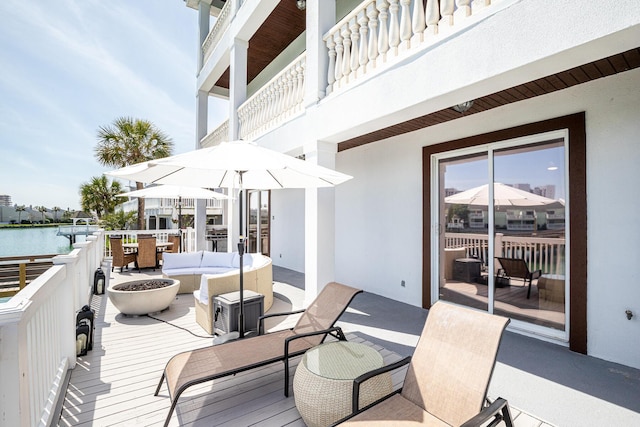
[(379, 212), (287, 229)]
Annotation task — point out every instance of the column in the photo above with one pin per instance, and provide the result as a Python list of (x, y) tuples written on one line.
[(319, 21), (200, 206), (319, 225), (202, 107), (204, 13), (237, 95)]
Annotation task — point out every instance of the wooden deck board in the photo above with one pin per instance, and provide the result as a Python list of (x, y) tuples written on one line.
[(113, 385)]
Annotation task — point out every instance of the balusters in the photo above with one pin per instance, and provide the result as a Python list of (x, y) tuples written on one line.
[(405, 24), (418, 23), (447, 8), (479, 4), (331, 72), (363, 57), (394, 29), (339, 57), (372, 14), (432, 15), (464, 7), (383, 36), (361, 41), (346, 60), (300, 69), (355, 36)]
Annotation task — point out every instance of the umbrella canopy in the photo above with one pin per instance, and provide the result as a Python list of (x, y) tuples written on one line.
[(235, 164), (175, 192), (503, 195)]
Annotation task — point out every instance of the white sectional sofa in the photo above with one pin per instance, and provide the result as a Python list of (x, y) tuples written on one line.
[(208, 274)]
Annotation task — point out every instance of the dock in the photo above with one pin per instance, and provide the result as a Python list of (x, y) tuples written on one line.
[(71, 231)]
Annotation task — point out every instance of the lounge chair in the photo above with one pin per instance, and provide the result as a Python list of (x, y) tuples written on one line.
[(205, 364), (448, 375), (517, 268)]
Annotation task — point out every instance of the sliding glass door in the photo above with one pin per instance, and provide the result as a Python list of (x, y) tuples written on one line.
[(502, 217)]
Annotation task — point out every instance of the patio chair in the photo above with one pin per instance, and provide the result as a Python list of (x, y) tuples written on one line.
[(517, 268), (121, 258), (174, 248), (448, 375), (175, 239), (205, 364), (146, 256)]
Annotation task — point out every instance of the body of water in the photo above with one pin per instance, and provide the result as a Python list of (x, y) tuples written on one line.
[(33, 241)]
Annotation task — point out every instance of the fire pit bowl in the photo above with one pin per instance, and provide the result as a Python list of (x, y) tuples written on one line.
[(140, 297)]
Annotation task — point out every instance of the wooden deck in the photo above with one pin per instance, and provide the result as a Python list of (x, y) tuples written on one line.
[(114, 384)]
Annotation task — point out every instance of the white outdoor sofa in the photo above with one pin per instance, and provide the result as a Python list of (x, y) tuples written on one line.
[(208, 274)]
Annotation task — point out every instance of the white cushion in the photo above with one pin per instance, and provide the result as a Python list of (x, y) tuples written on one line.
[(184, 271), (181, 260), (247, 260), (217, 259)]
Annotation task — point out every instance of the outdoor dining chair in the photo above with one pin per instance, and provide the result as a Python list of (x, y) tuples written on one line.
[(147, 256), (121, 258), (447, 378), (206, 364)]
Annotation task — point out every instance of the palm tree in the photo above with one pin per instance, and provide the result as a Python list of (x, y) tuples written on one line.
[(20, 209), (99, 196), (55, 210), (129, 141), (42, 210)]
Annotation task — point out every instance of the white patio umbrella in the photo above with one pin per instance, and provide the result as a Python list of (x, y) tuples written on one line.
[(235, 164), (175, 192), (503, 195)]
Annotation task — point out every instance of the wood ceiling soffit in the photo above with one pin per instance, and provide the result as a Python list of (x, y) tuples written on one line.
[(581, 74), (283, 26)]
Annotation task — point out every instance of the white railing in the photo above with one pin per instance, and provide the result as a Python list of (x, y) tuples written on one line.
[(223, 21), (37, 336), (545, 253), (131, 236), (275, 102), (377, 32), (221, 133)]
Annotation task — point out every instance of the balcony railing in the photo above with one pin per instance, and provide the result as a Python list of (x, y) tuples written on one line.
[(275, 102), (38, 342), (221, 133), (131, 236), (222, 23), (377, 33), (543, 253)]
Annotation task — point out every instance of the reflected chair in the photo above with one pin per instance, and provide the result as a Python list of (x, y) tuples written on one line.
[(146, 257), (120, 257), (517, 268), (447, 378), (232, 357)]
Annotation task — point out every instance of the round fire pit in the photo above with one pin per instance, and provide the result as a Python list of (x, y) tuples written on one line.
[(140, 297)]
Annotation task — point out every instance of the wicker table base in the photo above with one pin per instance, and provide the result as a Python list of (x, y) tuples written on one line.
[(323, 381)]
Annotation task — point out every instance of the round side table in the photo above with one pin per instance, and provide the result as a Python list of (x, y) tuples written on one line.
[(323, 382)]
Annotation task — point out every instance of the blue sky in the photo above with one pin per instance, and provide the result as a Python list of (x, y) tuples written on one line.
[(68, 67)]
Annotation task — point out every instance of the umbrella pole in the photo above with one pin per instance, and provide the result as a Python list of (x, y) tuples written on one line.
[(241, 254), (180, 221)]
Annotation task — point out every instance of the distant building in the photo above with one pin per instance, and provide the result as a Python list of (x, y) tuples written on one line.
[(5, 200), (523, 187), (548, 191)]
